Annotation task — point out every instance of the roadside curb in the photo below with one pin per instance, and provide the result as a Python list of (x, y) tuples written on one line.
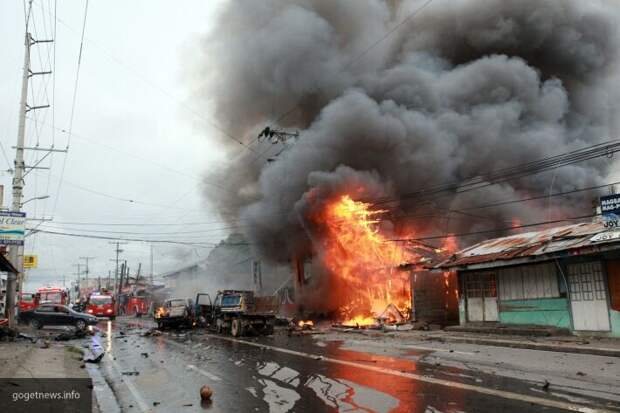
[(596, 351)]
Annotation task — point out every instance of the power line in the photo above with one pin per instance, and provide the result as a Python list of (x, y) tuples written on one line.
[(157, 87), (197, 244), (73, 102), (134, 156), (467, 234), (507, 174)]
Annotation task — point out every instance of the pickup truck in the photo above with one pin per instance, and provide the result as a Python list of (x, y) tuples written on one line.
[(240, 312), (173, 313)]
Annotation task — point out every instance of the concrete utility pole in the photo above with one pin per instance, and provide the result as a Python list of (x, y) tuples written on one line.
[(117, 250), (16, 251), (79, 284), (151, 264), (86, 271)]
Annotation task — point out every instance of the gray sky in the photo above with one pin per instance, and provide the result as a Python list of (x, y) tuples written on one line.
[(135, 135)]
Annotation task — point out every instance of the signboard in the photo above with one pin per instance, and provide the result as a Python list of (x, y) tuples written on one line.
[(610, 209), (31, 261), (12, 226), (605, 236)]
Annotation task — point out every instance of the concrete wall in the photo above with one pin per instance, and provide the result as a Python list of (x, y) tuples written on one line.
[(543, 311)]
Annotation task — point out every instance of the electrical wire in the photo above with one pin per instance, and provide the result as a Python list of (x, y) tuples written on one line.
[(160, 241), (511, 228), (73, 104)]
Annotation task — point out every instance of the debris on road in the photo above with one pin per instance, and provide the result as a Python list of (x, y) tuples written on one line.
[(95, 360), (130, 373), (151, 332), (206, 392), (72, 335), (145, 355)]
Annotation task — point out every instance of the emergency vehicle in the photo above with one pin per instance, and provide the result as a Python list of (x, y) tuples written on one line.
[(101, 305), (27, 301), (51, 295)]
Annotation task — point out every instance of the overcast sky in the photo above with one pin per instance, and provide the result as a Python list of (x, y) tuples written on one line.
[(135, 135)]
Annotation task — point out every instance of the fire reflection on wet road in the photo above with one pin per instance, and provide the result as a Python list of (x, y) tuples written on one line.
[(278, 374)]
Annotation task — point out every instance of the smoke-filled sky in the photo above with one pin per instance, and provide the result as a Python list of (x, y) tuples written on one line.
[(461, 88)]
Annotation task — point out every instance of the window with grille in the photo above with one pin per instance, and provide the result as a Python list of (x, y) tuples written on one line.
[(586, 281)]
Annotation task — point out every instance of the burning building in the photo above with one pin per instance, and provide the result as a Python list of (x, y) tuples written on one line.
[(392, 98)]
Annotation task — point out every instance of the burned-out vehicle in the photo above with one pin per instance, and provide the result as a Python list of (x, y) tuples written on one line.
[(175, 312), (238, 312)]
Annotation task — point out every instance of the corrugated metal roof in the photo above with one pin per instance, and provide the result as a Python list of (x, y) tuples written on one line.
[(533, 244)]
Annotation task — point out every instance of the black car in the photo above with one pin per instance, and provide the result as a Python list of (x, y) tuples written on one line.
[(56, 315)]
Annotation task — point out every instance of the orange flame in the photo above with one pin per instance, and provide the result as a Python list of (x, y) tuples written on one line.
[(363, 262), (160, 312), (305, 324)]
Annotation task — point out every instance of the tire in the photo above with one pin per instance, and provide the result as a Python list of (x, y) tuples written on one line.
[(268, 329), (80, 324), (236, 328), (36, 324)]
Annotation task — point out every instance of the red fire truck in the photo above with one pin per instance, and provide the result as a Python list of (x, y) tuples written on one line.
[(137, 305), (101, 305), (27, 301), (51, 295)]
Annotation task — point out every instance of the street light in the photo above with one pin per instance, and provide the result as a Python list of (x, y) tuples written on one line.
[(34, 199)]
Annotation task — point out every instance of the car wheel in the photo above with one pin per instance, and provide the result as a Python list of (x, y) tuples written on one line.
[(36, 324), (236, 329), (80, 324)]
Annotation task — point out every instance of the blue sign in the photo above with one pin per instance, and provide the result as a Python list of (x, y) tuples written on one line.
[(610, 204)]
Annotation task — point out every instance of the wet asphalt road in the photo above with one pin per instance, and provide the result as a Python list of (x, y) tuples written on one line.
[(297, 374)]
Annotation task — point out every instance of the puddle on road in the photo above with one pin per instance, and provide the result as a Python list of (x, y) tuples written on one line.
[(279, 391), (280, 399), (347, 396)]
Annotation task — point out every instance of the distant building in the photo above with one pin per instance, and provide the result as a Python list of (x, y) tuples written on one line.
[(231, 264), (567, 277)]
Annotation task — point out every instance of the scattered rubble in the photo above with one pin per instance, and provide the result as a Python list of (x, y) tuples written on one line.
[(72, 335), (152, 332), (10, 334)]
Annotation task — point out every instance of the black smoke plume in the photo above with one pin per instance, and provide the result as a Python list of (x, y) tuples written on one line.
[(462, 88)]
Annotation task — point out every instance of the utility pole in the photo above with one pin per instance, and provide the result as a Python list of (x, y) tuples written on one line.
[(79, 284), (14, 281), (86, 271), (117, 250), (151, 264)]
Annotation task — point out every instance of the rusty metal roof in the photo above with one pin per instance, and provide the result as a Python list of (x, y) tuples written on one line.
[(575, 238)]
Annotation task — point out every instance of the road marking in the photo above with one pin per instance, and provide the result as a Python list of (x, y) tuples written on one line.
[(413, 347), (432, 380), (203, 372)]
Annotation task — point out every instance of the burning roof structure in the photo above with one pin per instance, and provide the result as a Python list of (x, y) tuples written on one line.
[(574, 239)]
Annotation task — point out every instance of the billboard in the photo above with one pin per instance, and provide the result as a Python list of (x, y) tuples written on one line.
[(12, 226)]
